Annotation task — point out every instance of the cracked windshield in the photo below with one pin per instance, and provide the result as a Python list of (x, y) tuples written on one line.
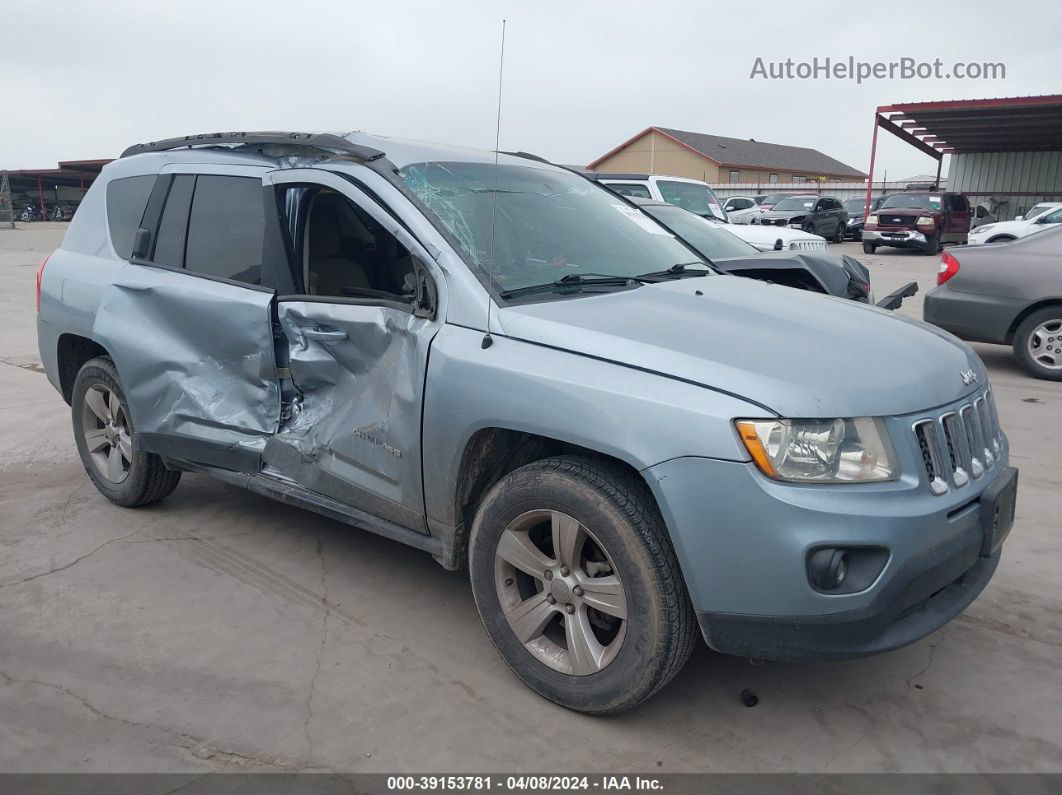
[(549, 225)]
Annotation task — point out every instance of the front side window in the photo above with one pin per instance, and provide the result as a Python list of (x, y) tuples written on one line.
[(547, 224), (1054, 217), (126, 200), (225, 228), (346, 253), (697, 198)]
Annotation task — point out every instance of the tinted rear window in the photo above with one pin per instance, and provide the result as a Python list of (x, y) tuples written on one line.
[(126, 200), (225, 228)]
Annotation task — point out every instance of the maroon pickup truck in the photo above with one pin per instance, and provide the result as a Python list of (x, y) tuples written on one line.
[(920, 220)]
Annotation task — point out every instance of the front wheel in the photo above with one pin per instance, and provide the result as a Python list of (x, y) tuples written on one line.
[(932, 245), (838, 235), (103, 432), (578, 586), (1038, 343), (868, 247)]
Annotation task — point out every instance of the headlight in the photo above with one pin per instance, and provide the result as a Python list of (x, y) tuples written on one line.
[(872, 219), (925, 220), (985, 228), (820, 451)]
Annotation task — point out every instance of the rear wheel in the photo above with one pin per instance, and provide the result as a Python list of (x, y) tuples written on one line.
[(868, 247), (577, 584), (103, 432), (1038, 343)]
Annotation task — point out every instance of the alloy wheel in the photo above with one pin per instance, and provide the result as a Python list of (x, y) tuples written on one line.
[(560, 592), (105, 428), (1045, 344)]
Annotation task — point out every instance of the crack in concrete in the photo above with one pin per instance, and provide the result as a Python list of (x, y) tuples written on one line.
[(196, 747), (320, 649), (75, 561), (928, 665)]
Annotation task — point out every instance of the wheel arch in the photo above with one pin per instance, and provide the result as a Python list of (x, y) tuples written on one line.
[(72, 352), (1000, 239), (1034, 307), (492, 453)]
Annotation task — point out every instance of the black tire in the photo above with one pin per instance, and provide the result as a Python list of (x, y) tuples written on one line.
[(932, 246), (1022, 336), (146, 479), (616, 506), (1001, 239), (838, 235), (810, 229), (868, 247)]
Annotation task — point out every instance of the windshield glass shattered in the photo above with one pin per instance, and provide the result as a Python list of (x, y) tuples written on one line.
[(549, 224)]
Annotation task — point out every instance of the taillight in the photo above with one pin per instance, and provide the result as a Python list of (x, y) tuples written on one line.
[(40, 275), (949, 266)]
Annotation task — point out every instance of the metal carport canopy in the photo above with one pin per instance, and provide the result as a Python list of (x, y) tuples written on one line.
[(1004, 124)]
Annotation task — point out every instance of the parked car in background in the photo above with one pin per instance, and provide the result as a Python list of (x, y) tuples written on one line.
[(854, 207), (699, 198), (1010, 294), (918, 220), (504, 365), (694, 195), (739, 209), (839, 275), (1004, 231), (771, 199), (981, 215), (760, 197), (1035, 210), (816, 215)]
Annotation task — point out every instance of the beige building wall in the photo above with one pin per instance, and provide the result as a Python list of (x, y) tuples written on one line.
[(654, 153)]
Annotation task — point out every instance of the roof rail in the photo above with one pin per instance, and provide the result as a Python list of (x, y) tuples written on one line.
[(324, 141)]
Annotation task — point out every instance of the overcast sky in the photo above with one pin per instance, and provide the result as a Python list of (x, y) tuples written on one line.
[(85, 79)]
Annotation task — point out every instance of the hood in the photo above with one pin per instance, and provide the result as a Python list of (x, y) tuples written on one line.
[(799, 353), (836, 273), (766, 235)]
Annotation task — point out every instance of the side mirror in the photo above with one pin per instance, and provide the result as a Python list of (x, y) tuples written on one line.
[(141, 244), (1019, 217), (778, 245)]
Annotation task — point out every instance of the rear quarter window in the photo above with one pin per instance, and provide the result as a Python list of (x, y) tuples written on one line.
[(126, 200)]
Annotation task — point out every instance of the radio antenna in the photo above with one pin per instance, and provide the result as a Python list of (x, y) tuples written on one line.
[(487, 339)]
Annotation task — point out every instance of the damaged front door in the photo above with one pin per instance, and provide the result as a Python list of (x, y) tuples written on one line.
[(357, 338)]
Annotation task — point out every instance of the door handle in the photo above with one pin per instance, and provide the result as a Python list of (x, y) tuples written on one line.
[(321, 335)]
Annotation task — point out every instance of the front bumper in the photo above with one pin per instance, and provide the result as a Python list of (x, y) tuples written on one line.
[(743, 543), (901, 238)]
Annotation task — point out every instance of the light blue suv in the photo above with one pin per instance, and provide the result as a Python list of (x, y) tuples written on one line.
[(508, 366)]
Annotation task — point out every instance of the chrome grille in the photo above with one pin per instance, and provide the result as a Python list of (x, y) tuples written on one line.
[(808, 245), (961, 444)]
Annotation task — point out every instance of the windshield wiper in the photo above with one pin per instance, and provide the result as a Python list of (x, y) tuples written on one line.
[(571, 282), (677, 271)]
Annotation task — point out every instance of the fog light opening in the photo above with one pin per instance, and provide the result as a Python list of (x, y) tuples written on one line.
[(828, 569)]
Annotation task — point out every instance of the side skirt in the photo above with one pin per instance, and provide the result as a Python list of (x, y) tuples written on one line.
[(291, 493)]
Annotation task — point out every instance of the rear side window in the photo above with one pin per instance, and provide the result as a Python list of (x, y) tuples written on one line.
[(126, 200), (225, 228), (173, 227)]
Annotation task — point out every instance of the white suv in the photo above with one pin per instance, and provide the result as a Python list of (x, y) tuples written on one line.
[(698, 197), (1005, 231)]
